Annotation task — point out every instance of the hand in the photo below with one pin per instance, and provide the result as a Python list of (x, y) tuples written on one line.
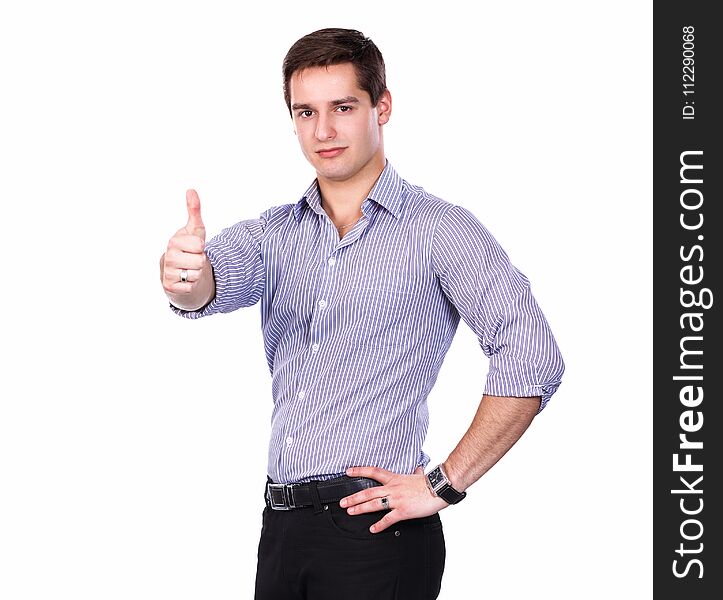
[(186, 251), (408, 495)]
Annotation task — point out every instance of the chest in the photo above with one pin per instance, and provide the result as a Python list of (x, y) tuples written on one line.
[(373, 273)]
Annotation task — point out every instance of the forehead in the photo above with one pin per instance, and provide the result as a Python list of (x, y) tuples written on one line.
[(319, 85)]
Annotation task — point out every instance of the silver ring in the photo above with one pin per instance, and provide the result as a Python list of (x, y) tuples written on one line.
[(385, 503), (184, 275)]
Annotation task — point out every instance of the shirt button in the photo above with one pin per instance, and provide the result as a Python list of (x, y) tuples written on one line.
[(322, 303), (332, 261), (314, 348), (301, 395), (289, 441)]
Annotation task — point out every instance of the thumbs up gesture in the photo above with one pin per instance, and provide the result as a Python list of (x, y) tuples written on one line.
[(186, 274)]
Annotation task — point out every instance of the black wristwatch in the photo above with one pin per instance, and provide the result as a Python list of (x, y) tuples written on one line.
[(440, 486)]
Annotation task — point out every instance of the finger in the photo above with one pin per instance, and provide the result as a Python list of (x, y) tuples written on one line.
[(178, 287), (419, 471), (363, 496), (177, 259), (177, 275), (187, 242), (373, 505), (386, 521), (195, 225), (173, 283), (377, 473)]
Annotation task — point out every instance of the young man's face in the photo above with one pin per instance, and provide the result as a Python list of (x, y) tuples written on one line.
[(339, 130)]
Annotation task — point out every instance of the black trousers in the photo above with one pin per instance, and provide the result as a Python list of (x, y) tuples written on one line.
[(327, 554)]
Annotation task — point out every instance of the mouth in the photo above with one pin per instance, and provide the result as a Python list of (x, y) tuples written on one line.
[(330, 152)]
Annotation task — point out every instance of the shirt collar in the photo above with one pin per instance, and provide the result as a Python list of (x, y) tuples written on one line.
[(387, 192)]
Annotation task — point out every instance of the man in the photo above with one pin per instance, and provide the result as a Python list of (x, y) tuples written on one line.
[(362, 283)]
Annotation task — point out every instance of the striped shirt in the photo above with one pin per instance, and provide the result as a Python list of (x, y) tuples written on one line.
[(355, 329)]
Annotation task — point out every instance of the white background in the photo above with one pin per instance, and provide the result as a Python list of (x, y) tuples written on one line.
[(133, 442)]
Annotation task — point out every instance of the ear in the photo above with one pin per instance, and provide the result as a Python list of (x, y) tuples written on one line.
[(384, 107)]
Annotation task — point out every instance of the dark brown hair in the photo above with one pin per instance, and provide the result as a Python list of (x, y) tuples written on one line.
[(335, 46)]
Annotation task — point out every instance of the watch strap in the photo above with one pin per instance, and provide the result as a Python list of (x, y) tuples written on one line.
[(445, 491), (450, 495)]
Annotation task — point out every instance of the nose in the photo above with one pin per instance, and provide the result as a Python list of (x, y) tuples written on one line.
[(324, 128)]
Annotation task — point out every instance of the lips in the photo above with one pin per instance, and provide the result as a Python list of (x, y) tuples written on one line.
[(330, 152)]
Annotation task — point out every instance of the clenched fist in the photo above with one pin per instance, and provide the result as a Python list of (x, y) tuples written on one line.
[(186, 274)]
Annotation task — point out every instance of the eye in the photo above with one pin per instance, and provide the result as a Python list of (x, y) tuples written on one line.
[(305, 114), (344, 109)]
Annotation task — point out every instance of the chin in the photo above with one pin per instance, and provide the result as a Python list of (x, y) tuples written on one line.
[(334, 172)]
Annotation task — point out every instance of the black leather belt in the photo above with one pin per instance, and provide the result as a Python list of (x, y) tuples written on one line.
[(287, 496)]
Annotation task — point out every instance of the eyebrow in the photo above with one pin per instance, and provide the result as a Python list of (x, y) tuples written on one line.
[(338, 102)]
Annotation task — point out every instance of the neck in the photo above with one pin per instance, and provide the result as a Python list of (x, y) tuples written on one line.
[(342, 200)]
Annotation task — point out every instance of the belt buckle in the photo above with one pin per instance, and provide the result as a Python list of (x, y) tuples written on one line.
[(280, 496)]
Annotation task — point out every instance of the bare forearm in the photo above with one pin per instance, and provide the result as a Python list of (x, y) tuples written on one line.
[(200, 294), (497, 425)]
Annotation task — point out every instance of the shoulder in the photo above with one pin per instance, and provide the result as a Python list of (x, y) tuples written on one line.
[(452, 231), (276, 218), (254, 230), (278, 214), (420, 206), (426, 209)]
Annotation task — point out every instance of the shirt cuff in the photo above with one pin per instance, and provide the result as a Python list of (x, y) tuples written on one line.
[(517, 378)]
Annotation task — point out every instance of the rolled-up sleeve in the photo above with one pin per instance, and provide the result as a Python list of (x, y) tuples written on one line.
[(238, 268), (495, 300)]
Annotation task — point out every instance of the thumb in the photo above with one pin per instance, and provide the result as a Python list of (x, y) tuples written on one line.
[(195, 225), (419, 471)]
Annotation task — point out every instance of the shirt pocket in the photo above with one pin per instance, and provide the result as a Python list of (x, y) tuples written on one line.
[(382, 318)]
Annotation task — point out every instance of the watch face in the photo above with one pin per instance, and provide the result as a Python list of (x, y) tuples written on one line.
[(435, 477)]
